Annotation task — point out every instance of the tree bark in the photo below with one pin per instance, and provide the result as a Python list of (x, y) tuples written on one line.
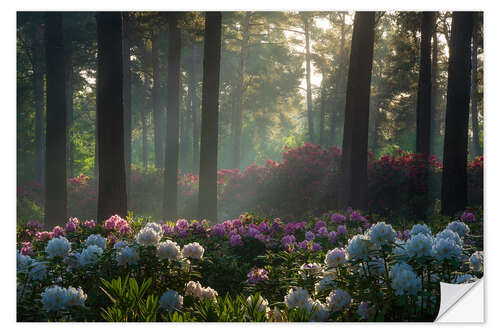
[(425, 85), (353, 189), (142, 92), (436, 116), (157, 114), (423, 140), (172, 147), (476, 148), (38, 53), (193, 81), (207, 202), (240, 86), (55, 158), (454, 187), (112, 191), (322, 139), (68, 81), (339, 101), (127, 103), (310, 120)]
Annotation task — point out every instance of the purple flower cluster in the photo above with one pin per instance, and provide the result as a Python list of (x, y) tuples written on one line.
[(357, 217), (467, 217), (256, 275), (338, 218)]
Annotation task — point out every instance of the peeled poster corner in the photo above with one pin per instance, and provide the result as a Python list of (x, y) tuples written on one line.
[(461, 303)]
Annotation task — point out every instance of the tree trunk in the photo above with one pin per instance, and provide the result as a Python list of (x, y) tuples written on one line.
[(436, 116), (322, 139), (454, 188), (127, 106), (112, 191), (172, 147), (353, 189), (240, 86), (476, 149), (157, 115), (38, 53), (310, 121), (425, 85), (339, 100), (207, 200), (68, 81), (144, 124), (424, 109), (55, 158), (193, 97)]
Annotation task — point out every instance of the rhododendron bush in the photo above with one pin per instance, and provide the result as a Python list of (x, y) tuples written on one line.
[(335, 267), (304, 182)]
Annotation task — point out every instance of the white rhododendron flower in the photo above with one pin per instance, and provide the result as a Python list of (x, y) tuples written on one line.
[(298, 298), (476, 261), (404, 279), (381, 233), (311, 268), (261, 303), (58, 247), (148, 237), (89, 255), (171, 300), (168, 250), (420, 229), (320, 311), (459, 227), (34, 269), (155, 226), (127, 256), (449, 234), (358, 247), (338, 300), (193, 250), (97, 240), (419, 245), (335, 257), (57, 298), (195, 289), (120, 244), (445, 248)]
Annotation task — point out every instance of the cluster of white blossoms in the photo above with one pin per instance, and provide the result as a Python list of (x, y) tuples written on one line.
[(89, 255), (34, 269), (193, 250), (459, 227), (155, 226), (149, 235), (445, 248), (120, 244), (310, 269), (358, 247), (335, 257), (476, 261), (404, 279), (127, 256), (451, 235), (261, 304), (96, 239), (298, 298), (195, 289), (338, 300), (58, 247), (168, 250), (419, 245), (320, 311), (171, 300), (420, 229), (57, 298), (381, 234)]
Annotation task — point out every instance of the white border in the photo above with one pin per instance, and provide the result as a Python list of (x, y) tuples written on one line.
[(8, 151)]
